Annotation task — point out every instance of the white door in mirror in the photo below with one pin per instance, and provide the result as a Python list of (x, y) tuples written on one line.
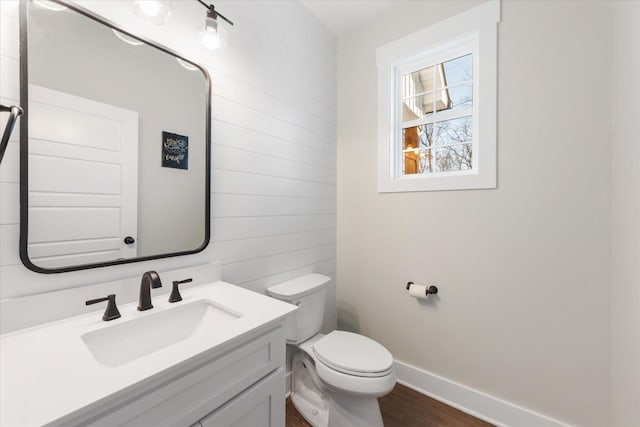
[(83, 172)]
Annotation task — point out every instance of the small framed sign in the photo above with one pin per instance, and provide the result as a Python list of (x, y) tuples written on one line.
[(175, 151)]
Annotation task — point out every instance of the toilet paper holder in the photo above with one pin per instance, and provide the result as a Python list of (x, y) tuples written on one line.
[(431, 290)]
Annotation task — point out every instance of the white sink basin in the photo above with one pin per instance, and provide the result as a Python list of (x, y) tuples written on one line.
[(121, 343)]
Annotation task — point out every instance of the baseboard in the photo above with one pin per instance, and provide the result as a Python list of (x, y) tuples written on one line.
[(473, 402)]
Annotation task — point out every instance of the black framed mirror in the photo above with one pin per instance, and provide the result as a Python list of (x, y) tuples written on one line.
[(115, 150)]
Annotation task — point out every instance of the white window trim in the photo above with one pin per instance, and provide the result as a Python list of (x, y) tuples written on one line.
[(478, 26)]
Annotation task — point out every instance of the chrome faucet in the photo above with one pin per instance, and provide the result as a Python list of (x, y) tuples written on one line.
[(150, 279)]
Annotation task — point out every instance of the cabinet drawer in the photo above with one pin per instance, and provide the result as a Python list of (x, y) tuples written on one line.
[(260, 406), (186, 398)]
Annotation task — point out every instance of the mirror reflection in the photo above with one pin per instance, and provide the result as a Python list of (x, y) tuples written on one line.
[(118, 145)]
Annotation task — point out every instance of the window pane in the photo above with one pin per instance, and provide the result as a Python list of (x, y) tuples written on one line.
[(453, 131), (418, 161), (456, 98), (454, 153), (410, 164), (416, 107), (410, 138), (417, 137), (417, 82), (455, 158), (458, 70), (417, 157)]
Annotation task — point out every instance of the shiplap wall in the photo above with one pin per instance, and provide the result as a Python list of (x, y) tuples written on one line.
[(273, 198)]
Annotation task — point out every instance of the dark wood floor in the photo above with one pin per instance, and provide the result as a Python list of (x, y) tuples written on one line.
[(404, 407)]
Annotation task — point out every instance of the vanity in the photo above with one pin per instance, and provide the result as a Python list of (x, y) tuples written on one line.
[(216, 358)]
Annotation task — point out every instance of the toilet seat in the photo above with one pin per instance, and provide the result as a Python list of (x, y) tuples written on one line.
[(353, 354), (361, 386)]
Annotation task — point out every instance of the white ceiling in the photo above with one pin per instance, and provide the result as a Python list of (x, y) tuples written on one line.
[(341, 16)]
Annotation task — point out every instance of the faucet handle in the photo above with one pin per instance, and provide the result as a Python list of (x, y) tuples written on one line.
[(175, 292), (112, 310)]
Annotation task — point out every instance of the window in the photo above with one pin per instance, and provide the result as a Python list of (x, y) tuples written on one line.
[(437, 105), (435, 102)]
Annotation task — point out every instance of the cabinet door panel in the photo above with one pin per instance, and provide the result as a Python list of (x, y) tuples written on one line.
[(260, 406)]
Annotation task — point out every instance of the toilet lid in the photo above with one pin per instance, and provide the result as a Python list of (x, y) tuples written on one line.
[(353, 354)]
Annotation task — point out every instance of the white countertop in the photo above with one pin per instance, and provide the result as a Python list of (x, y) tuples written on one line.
[(47, 372)]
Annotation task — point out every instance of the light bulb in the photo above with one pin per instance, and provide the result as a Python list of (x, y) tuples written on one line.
[(150, 7), (154, 11), (211, 38)]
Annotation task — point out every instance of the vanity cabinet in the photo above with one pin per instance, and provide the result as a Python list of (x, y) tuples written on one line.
[(216, 358), (242, 386)]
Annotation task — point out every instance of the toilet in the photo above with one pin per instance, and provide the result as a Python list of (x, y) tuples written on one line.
[(336, 379)]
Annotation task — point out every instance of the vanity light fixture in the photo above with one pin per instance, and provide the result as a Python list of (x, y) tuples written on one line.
[(211, 35), (154, 11)]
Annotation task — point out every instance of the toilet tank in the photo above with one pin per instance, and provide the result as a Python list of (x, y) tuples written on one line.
[(309, 293)]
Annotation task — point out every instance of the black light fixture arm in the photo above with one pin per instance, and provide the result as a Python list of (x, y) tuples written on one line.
[(212, 11)]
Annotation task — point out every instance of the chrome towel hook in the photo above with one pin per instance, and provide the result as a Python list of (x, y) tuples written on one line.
[(14, 112)]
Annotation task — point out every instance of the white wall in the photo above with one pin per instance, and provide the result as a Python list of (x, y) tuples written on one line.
[(274, 142), (523, 311), (625, 307)]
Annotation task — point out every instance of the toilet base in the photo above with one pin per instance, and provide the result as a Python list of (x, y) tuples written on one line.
[(323, 407), (344, 412), (310, 413), (308, 395), (347, 410)]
